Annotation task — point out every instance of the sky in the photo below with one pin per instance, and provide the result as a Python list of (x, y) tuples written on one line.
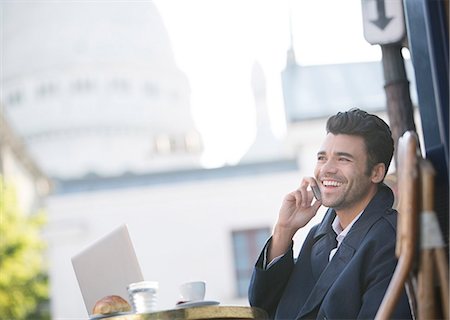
[(217, 42)]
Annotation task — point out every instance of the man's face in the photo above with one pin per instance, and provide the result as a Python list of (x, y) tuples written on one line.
[(341, 172)]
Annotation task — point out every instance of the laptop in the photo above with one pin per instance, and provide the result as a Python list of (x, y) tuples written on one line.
[(107, 267)]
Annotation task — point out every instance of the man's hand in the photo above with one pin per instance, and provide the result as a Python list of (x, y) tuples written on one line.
[(296, 211)]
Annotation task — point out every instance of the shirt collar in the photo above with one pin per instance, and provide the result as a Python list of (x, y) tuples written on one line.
[(341, 233)]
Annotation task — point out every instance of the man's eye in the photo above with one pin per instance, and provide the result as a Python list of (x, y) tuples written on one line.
[(344, 159)]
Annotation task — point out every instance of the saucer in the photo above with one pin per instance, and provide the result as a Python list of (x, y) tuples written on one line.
[(200, 303), (104, 316)]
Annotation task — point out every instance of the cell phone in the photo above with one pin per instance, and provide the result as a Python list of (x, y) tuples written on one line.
[(316, 192)]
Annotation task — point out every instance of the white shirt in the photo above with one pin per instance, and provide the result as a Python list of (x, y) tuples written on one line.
[(341, 233)]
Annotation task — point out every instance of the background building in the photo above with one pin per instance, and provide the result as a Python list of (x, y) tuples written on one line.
[(83, 86)]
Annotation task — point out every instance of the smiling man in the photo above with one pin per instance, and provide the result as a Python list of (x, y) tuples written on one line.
[(347, 261)]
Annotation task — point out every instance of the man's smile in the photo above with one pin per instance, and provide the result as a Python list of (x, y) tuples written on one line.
[(331, 183)]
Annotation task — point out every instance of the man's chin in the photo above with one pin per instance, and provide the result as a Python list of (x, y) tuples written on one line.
[(331, 203), (326, 203)]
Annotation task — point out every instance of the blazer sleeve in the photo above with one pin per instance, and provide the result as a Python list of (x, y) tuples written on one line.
[(267, 285)]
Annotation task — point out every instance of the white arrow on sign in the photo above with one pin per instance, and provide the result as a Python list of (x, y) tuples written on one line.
[(383, 21)]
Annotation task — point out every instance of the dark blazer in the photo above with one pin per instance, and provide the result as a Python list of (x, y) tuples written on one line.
[(350, 286)]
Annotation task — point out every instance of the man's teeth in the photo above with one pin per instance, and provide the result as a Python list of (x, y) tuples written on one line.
[(331, 183)]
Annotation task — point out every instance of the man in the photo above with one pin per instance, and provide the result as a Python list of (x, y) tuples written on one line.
[(347, 261)]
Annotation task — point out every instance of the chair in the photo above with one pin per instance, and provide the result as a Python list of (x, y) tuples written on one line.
[(418, 257)]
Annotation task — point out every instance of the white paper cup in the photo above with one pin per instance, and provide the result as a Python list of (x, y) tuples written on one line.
[(193, 291)]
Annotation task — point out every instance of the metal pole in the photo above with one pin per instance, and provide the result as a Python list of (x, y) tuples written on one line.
[(399, 105)]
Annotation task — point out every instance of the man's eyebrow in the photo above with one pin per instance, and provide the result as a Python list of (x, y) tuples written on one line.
[(345, 154), (341, 154)]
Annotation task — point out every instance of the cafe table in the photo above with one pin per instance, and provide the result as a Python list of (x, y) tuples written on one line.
[(197, 313)]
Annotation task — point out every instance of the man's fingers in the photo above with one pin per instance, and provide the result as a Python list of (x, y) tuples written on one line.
[(306, 186), (298, 198)]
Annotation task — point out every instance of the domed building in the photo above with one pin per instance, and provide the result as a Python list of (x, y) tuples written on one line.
[(94, 90)]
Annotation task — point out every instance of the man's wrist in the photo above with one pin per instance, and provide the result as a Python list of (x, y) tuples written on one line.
[(280, 242), (283, 235)]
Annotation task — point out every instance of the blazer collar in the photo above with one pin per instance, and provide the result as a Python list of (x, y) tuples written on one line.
[(325, 225), (377, 207), (382, 201)]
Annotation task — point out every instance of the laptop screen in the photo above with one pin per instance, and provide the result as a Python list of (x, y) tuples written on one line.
[(107, 267)]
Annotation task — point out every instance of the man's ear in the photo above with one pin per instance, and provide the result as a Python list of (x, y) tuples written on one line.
[(378, 172)]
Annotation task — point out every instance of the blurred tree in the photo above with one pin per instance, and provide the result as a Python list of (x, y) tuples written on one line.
[(23, 278)]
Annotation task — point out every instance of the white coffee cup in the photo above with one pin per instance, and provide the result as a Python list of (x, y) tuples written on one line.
[(193, 291)]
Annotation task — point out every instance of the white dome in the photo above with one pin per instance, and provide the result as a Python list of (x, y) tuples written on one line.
[(67, 33), (93, 87)]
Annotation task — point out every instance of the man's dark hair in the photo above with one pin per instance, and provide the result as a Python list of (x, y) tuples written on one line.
[(375, 132)]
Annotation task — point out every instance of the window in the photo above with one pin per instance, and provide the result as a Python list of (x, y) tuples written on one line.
[(162, 144), (119, 85), (46, 90), (193, 142), (151, 89), (15, 98), (82, 86), (247, 245)]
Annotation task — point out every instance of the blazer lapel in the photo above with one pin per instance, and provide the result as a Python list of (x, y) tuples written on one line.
[(326, 279), (325, 240), (321, 254)]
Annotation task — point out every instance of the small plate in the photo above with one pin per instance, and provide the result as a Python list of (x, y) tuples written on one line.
[(201, 303), (104, 316)]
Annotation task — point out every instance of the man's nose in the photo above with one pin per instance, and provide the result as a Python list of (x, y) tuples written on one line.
[(329, 166)]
